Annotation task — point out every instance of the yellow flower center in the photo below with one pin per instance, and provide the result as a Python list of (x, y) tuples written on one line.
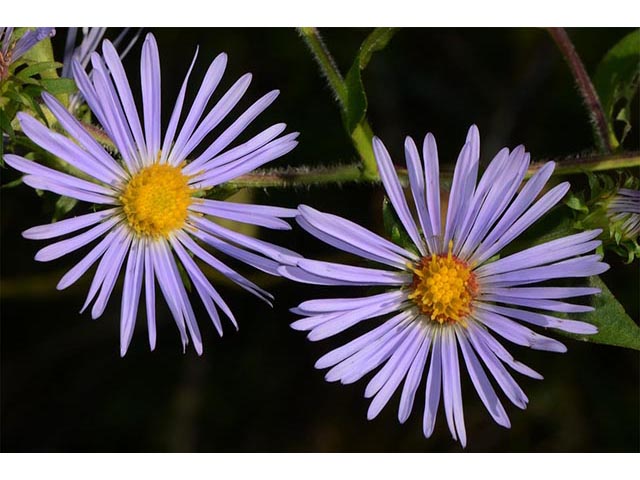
[(156, 199), (443, 288)]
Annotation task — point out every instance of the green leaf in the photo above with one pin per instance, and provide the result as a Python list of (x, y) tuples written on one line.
[(63, 206), (356, 106), (42, 52), (394, 228), (37, 68), (615, 327), (616, 81), (59, 86)]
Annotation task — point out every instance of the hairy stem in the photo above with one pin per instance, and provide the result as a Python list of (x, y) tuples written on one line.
[(326, 63), (585, 86), (308, 176), (361, 135)]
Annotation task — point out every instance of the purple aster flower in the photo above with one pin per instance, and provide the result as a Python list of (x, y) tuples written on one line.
[(624, 209), (151, 210), (11, 50), (451, 295)]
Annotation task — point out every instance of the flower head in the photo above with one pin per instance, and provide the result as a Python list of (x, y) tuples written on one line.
[(449, 295), (623, 211), (11, 50), (152, 209)]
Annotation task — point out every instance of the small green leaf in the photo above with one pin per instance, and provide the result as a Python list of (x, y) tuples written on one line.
[(63, 206), (574, 202), (615, 327), (394, 228), (356, 107), (59, 86), (616, 80), (37, 68), (12, 184)]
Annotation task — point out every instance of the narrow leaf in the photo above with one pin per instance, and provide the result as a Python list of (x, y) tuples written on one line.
[(59, 86), (616, 81), (356, 107), (37, 68)]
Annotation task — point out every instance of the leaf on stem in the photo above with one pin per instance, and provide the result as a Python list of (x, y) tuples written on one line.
[(616, 81)]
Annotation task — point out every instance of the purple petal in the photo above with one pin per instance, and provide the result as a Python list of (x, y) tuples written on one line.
[(243, 150), (414, 376), (432, 182), (150, 295), (168, 289), (81, 267), (482, 384), (237, 127), (111, 169), (280, 254), (217, 114), (116, 123), (575, 267), (63, 247), (417, 186), (506, 382), (342, 353), (112, 59), (264, 216), (347, 319), (131, 294), (547, 252), (522, 202), (433, 388), (394, 191), (183, 301), (501, 352), (311, 307), (539, 319), (231, 274), (513, 331), (112, 269), (374, 354), (502, 190), (358, 275), (175, 115), (207, 87), (463, 185), (151, 95), (352, 238), (64, 227), (388, 379)]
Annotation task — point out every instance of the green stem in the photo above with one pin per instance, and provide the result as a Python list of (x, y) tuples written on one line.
[(326, 63), (362, 134), (298, 177), (593, 163), (361, 137), (585, 86), (307, 176)]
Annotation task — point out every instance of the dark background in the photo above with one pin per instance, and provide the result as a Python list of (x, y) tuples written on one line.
[(65, 388)]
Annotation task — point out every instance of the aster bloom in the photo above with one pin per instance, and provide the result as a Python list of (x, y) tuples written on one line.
[(11, 50), (624, 210), (149, 199), (449, 295)]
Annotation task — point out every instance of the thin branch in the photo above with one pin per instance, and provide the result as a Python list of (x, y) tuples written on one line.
[(300, 176), (326, 63), (309, 176), (587, 90)]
